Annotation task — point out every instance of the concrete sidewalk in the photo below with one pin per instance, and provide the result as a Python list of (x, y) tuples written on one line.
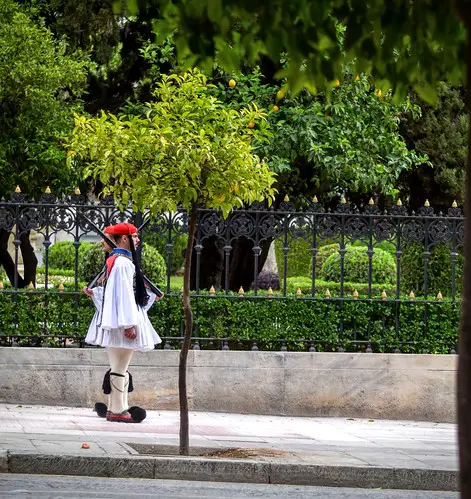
[(315, 451)]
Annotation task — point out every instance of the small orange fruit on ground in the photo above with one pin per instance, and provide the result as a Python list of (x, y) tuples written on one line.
[(276, 108), (85, 446), (232, 83), (251, 124)]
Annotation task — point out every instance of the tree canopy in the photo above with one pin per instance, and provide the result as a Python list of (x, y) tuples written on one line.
[(40, 87), (399, 43)]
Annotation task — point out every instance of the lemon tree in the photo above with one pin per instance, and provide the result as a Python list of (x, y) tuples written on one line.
[(188, 149)]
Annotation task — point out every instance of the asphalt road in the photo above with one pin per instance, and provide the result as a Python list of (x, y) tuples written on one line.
[(54, 487)]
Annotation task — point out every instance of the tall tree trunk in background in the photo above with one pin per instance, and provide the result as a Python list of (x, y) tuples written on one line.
[(241, 263), (188, 314), (30, 262), (464, 348)]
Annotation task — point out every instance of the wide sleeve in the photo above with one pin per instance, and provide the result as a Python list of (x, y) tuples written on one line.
[(119, 307), (97, 296)]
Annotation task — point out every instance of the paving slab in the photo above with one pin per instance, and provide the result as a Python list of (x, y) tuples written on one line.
[(399, 454)]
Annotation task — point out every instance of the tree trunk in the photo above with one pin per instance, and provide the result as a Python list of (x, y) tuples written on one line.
[(241, 263), (464, 349), (30, 261), (7, 261), (184, 421)]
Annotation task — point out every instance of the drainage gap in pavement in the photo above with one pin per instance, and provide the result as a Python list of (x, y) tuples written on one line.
[(224, 452)]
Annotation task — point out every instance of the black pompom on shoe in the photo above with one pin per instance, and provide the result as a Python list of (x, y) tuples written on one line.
[(101, 409), (138, 413)]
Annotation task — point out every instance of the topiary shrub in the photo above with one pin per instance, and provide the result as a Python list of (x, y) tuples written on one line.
[(62, 254), (267, 280), (356, 266), (439, 270), (299, 257), (93, 258), (159, 242)]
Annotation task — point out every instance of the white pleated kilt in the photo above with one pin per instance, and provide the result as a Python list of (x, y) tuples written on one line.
[(145, 340)]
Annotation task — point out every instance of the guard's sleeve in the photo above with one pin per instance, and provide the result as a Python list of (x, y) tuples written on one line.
[(119, 307), (97, 296)]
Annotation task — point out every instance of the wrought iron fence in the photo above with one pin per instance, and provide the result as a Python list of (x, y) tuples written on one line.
[(344, 279)]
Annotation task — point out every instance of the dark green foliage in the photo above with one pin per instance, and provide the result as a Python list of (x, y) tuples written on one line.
[(93, 259), (432, 327), (441, 133), (439, 270), (299, 257), (62, 255), (177, 251), (267, 280), (356, 266)]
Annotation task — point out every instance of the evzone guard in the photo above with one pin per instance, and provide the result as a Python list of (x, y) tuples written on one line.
[(120, 323)]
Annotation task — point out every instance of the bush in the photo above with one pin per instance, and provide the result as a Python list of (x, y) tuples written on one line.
[(93, 258), (267, 280), (244, 320), (356, 265), (299, 257), (159, 242), (439, 270), (321, 287), (62, 254)]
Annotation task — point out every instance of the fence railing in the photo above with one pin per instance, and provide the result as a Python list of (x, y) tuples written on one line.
[(314, 279)]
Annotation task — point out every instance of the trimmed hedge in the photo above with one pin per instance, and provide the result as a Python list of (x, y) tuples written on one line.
[(428, 327), (62, 254), (439, 270), (177, 255), (356, 266), (153, 264)]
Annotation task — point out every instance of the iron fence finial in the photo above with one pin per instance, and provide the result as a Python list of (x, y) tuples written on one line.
[(77, 191), (299, 292), (18, 190), (399, 202), (48, 190), (439, 295), (270, 292), (426, 204), (212, 291), (454, 204)]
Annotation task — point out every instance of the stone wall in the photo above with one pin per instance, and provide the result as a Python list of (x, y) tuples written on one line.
[(388, 386)]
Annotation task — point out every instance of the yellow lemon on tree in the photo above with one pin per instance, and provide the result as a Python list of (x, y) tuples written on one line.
[(232, 83), (280, 94), (337, 83), (251, 124), (379, 93), (276, 108)]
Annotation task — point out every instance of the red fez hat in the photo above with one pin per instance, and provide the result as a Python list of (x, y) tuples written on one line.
[(108, 230), (123, 229)]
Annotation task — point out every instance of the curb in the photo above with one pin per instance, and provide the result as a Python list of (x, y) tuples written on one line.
[(228, 470)]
